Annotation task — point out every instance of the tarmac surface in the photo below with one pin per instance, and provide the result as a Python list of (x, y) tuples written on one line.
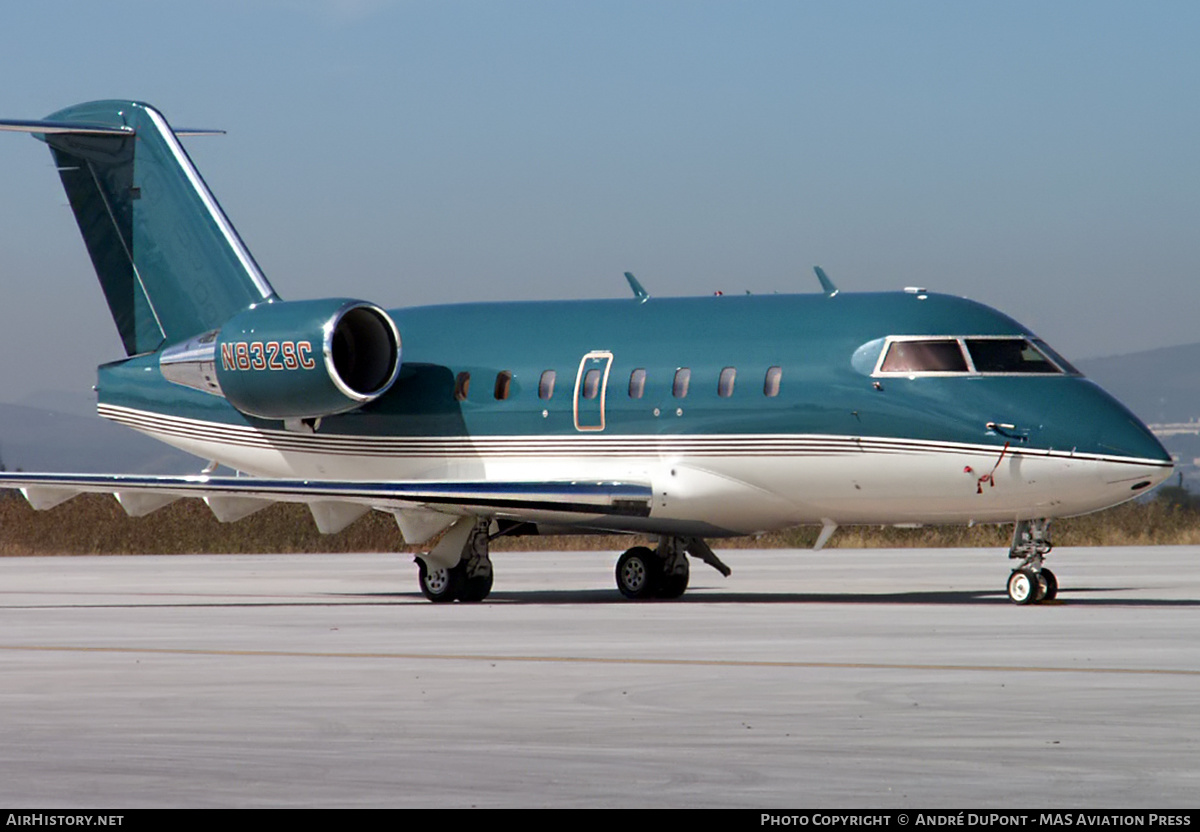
[(818, 680)]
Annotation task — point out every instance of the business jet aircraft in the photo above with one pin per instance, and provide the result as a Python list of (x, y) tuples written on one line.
[(684, 419)]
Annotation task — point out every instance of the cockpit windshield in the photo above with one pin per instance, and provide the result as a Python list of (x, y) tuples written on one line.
[(970, 355)]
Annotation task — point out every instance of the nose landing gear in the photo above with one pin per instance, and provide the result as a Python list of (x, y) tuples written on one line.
[(1031, 582)]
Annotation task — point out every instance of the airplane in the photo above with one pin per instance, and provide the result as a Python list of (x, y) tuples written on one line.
[(684, 419)]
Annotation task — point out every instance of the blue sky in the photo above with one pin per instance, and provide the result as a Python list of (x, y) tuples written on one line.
[(1040, 157)]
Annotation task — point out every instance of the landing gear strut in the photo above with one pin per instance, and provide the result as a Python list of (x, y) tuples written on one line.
[(1031, 582), (674, 571), (469, 580), (662, 572)]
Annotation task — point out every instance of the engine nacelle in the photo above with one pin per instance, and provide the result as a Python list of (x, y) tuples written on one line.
[(293, 359)]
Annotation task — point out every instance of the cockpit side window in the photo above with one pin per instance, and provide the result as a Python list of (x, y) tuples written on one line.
[(933, 356), (1063, 364), (1007, 355)]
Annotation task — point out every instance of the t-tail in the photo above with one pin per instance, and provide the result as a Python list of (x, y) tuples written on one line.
[(169, 261), (180, 283)]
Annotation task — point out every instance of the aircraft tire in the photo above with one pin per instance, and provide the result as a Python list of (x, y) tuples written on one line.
[(475, 589), (1051, 582), (674, 585), (637, 573), (1023, 587), (671, 587), (439, 584)]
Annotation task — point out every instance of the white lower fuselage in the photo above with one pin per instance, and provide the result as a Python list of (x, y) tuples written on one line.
[(705, 484)]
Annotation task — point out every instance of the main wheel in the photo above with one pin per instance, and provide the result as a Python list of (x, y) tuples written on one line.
[(637, 573), (439, 584), (1051, 582), (674, 584), (476, 588), (1023, 587)]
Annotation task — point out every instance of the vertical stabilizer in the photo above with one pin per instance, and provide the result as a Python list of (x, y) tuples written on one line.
[(170, 262)]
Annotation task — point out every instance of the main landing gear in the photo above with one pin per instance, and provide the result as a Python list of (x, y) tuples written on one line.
[(663, 572), (1031, 582), (641, 572), (469, 580)]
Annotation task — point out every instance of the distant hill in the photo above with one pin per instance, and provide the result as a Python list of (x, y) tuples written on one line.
[(1160, 386), (37, 438)]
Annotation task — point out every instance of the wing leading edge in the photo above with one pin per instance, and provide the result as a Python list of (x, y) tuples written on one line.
[(337, 503)]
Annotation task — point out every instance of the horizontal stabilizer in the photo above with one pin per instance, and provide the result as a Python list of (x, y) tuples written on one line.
[(50, 128), (80, 128)]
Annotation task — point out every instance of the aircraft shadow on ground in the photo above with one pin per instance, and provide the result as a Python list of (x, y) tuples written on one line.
[(1066, 597), (551, 597)]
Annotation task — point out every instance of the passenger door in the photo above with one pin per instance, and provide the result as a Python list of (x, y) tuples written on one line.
[(591, 387)]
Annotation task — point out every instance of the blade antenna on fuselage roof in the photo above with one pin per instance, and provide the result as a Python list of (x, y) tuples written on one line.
[(826, 284), (638, 292)]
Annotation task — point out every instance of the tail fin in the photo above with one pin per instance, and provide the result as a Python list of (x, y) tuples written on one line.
[(169, 261)]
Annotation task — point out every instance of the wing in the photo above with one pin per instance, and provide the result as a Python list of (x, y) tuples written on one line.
[(422, 508)]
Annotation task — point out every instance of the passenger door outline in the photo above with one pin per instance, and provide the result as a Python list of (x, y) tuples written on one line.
[(589, 412)]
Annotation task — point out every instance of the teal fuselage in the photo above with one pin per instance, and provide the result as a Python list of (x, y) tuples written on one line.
[(823, 388)]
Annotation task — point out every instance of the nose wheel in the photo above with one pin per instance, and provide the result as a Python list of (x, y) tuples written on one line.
[(1031, 582)]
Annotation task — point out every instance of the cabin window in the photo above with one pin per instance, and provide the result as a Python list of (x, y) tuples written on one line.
[(591, 383), (462, 386), (637, 383), (771, 382), (725, 382), (933, 356), (503, 384), (1007, 355), (683, 377), (546, 384)]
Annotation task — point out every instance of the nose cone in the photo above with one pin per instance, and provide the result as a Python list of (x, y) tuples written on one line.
[(1073, 415), (1128, 459), (1133, 439), (1134, 458), (1102, 425), (1112, 456)]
